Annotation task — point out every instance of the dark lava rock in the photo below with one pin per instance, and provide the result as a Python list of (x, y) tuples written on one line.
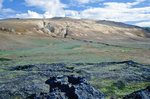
[(42, 67), (131, 78), (141, 94), (70, 87), (119, 84), (23, 87), (25, 67), (5, 59), (146, 76), (29, 80)]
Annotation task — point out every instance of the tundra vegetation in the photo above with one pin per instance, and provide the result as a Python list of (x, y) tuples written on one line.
[(114, 67)]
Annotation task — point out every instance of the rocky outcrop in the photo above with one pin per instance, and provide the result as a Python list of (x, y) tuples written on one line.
[(7, 29), (29, 80), (141, 94), (55, 30), (71, 87)]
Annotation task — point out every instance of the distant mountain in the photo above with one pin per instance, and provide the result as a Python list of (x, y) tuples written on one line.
[(97, 30)]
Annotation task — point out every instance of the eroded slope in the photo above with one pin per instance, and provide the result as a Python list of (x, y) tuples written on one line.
[(73, 28)]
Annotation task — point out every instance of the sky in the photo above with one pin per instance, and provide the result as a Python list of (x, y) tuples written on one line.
[(136, 12)]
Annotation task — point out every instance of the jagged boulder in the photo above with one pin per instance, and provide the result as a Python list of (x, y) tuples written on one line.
[(141, 94), (71, 87), (55, 30)]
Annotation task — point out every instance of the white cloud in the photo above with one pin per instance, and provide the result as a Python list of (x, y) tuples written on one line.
[(122, 5), (30, 14), (87, 1), (52, 8), (114, 11), (121, 12), (143, 24), (83, 1), (1, 1), (5, 10), (71, 13), (122, 15)]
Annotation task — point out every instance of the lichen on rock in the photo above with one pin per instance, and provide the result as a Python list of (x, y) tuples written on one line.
[(71, 87)]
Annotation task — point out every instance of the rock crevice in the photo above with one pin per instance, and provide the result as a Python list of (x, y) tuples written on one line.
[(141, 94), (71, 87)]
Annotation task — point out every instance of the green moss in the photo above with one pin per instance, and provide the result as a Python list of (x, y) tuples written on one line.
[(126, 50), (109, 88), (147, 29), (119, 84), (72, 47), (57, 50), (5, 59)]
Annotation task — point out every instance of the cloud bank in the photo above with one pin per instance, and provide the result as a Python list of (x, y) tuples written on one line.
[(114, 11), (5, 10), (121, 12), (52, 8)]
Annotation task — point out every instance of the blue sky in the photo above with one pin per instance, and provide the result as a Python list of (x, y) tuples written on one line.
[(135, 12)]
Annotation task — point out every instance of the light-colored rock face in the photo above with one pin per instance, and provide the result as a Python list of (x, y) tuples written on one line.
[(73, 28)]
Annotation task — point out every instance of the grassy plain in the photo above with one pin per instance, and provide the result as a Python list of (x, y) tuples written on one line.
[(53, 50)]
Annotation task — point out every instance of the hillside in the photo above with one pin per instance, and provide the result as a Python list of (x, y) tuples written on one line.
[(113, 57), (73, 28)]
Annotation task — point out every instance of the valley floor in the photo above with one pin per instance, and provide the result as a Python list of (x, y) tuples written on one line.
[(104, 64)]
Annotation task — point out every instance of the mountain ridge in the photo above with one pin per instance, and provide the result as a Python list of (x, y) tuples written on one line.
[(15, 30), (46, 25)]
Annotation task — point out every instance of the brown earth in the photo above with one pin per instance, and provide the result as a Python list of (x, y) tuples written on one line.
[(74, 28)]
